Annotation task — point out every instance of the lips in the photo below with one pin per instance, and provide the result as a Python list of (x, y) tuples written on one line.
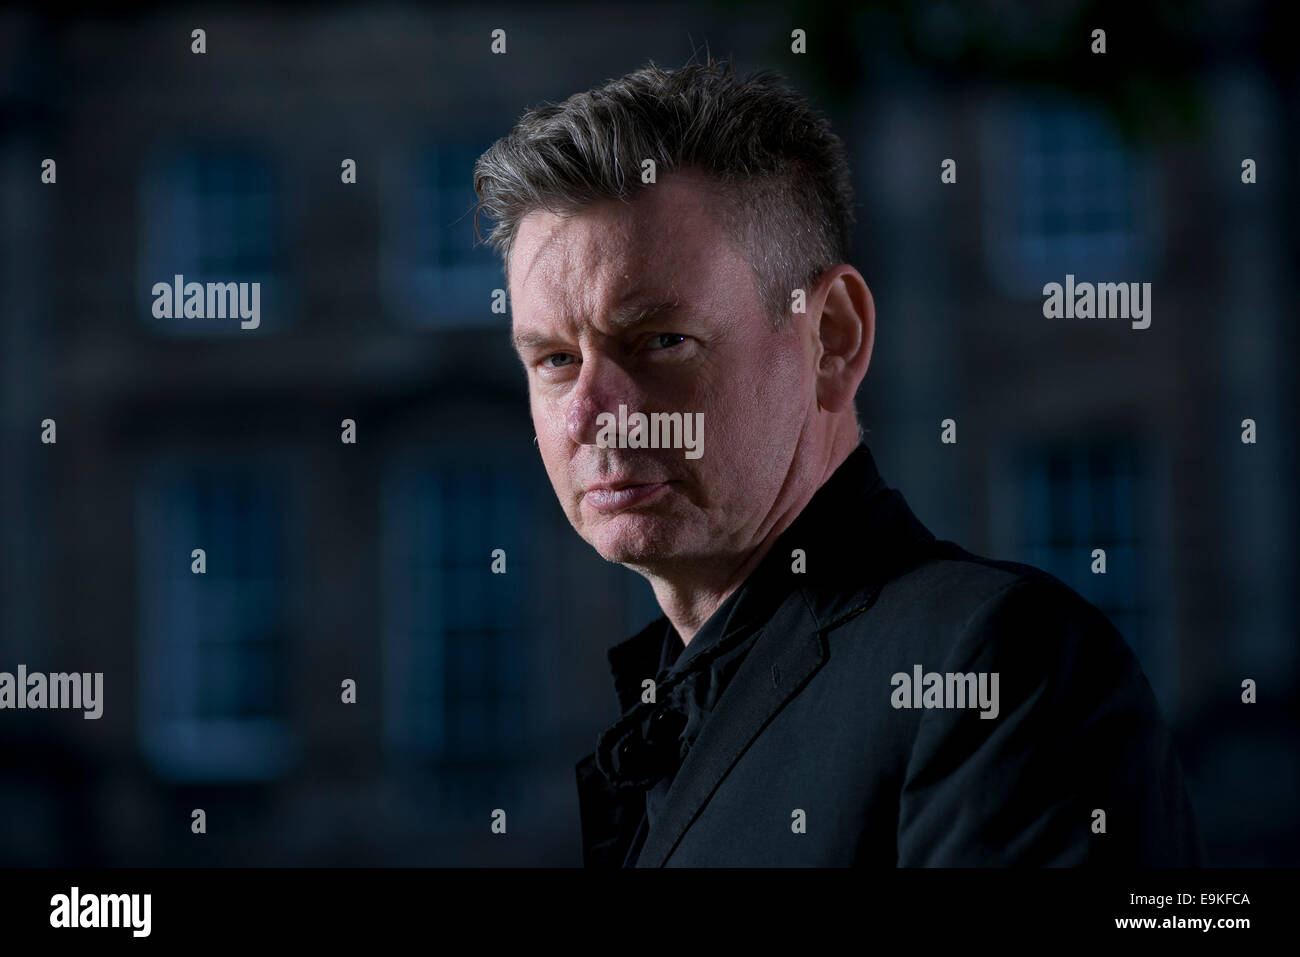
[(616, 496)]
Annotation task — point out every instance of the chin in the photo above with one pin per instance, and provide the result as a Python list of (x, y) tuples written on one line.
[(634, 540)]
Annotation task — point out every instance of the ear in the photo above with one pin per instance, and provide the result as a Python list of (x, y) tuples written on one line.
[(844, 316)]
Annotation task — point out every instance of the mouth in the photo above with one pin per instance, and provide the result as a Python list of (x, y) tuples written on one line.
[(617, 496)]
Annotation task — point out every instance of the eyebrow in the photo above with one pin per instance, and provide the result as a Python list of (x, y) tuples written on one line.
[(625, 317)]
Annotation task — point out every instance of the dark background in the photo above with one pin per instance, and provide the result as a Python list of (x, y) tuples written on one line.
[(371, 561)]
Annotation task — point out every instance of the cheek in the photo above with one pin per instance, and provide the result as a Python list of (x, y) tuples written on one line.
[(767, 372), (546, 443), (546, 425), (785, 373), (533, 408)]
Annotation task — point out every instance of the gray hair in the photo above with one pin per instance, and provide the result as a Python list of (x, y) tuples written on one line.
[(783, 174)]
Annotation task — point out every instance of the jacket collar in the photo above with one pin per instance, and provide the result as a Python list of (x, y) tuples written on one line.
[(634, 660), (855, 534)]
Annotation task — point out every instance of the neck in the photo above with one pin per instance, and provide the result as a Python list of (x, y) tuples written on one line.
[(690, 596)]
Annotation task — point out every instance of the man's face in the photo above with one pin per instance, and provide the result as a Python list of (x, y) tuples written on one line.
[(577, 283)]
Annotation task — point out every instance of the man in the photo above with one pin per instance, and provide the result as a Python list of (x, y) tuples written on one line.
[(829, 685)]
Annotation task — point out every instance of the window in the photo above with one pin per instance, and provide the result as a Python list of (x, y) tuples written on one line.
[(211, 216), (436, 271), (457, 636), (1077, 497), (1065, 194), (212, 668)]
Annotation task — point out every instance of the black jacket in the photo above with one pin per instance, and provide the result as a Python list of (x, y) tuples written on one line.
[(786, 743)]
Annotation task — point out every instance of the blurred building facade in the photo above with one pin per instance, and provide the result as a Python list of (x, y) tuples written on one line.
[(370, 561)]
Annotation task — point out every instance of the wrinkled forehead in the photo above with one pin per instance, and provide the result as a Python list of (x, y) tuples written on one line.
[(578, 261), (582, 262), (556, 256)]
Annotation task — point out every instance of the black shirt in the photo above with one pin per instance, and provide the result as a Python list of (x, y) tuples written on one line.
[(673, 653)]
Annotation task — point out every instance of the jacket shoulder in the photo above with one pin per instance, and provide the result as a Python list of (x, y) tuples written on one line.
[(1073, 727), (961, 586), (957, 607)]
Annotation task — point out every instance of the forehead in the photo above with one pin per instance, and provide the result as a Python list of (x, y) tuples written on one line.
[(668, 240)]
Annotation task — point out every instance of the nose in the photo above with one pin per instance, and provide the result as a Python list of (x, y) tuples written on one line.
[(603, 385)]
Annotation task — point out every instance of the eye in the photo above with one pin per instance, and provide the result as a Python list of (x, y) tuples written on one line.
[(662, 341), (546, 363)]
